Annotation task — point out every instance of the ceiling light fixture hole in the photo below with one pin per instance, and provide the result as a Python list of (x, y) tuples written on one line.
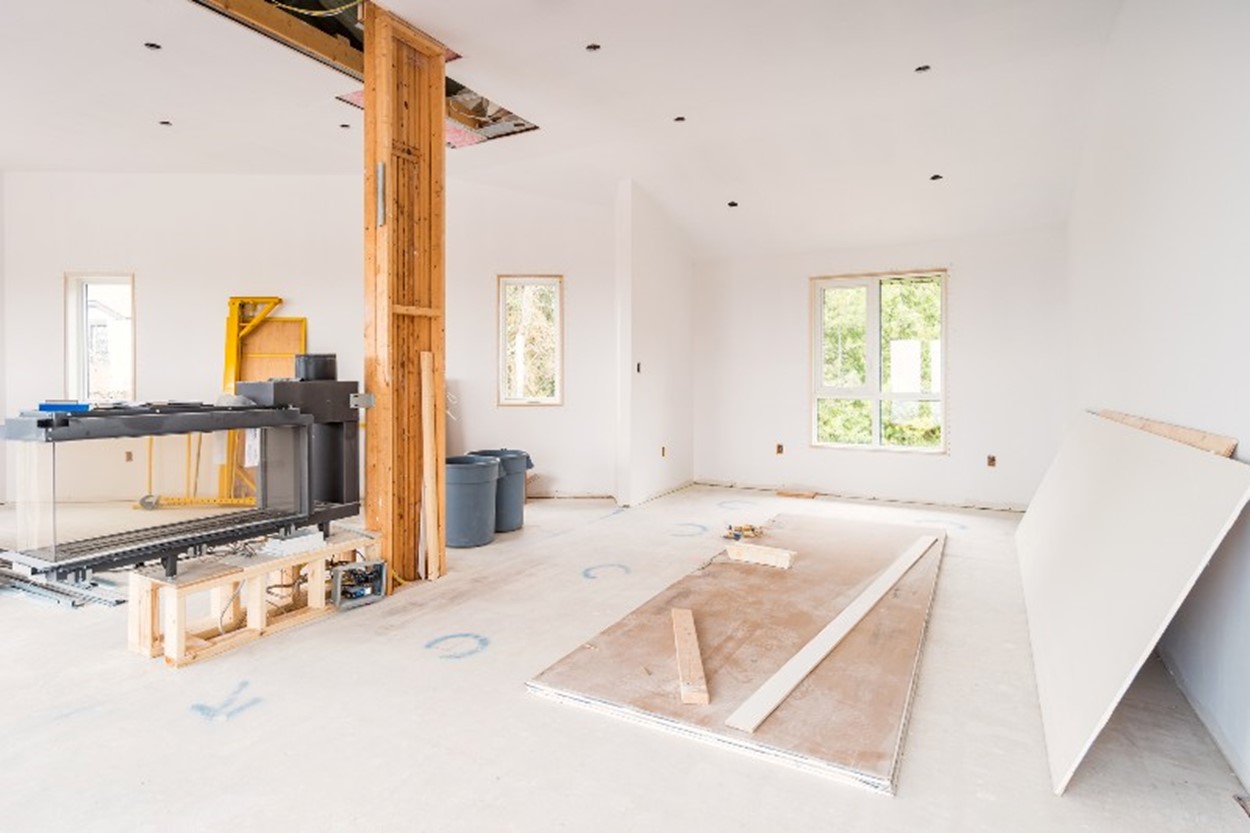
[(153, 45), (935, 177), (733, 203), (166, 123), (345, 126), (922, 68), (593, 47), (679, 118)]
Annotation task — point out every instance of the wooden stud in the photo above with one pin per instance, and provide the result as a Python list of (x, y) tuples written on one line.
[(1214, 443), (257, 604), (317, 583), (404, 284), (689, 660), (143, 625), (175, 625), (759, 554), (756, 709), (435, 555)]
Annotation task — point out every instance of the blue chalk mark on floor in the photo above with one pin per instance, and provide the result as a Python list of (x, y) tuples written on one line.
[(936, 522), (592, 572), (459, 645), (696, 529), (735, 504), (227, 709)]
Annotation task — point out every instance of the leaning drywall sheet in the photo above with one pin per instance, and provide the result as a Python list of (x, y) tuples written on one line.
[(845, 720), (1120, 528)]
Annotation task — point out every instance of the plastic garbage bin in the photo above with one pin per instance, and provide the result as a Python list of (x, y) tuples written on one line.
[(471, 486), (510, 495)]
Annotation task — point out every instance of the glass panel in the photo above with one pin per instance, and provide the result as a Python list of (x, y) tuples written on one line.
[(911, 332), (847, 421), (531, 340), (107, 344), (845, 327), (911, 424)]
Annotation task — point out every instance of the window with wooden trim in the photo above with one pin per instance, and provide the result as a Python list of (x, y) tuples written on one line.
[(531, 340), (878, 360), (100, 338)]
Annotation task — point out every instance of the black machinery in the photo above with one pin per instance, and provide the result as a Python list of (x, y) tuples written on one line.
[(300, 439)]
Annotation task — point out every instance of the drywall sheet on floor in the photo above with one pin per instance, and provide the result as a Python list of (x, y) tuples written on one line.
[(845, 720), (1118, 532)]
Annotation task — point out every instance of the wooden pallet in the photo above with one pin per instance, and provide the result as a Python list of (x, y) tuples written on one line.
[(238, 607)]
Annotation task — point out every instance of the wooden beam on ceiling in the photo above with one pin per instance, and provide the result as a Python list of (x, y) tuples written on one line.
[(298, 34)]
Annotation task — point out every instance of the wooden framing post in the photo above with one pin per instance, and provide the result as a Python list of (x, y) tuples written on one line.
[(404, 283)]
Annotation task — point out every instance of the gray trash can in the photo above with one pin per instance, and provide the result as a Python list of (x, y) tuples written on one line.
[(471, 486), (510, 496)]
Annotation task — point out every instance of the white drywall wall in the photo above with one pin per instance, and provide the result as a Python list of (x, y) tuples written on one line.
[(1158, 289), (1004, 336), (491, 232), (655, 282), (191, 241)]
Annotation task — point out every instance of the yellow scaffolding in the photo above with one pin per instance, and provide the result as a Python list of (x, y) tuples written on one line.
[(236, 486)]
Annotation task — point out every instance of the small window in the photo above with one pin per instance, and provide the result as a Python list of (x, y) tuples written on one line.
[(877, 361), (531, 349), (99, 349)]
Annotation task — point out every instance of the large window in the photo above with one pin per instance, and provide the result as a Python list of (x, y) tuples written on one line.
[(530, 340), (100, 340), (877, 361)]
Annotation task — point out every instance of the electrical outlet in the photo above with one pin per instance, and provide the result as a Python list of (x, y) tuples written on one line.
[(781, 449), (639, 367), (663, 451), (130, 456), (991, 460)]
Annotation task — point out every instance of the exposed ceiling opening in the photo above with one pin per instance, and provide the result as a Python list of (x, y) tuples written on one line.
[(471, 118)]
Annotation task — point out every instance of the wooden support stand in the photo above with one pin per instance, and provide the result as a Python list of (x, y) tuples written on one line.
[(239, 607)]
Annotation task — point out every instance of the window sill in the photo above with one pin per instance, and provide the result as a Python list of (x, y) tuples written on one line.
[(888, 449), (537, 403)]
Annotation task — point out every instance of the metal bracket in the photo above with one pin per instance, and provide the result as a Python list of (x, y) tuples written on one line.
[(361, 400)]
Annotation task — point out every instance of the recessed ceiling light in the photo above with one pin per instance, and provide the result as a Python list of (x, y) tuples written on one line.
[(152, 45), (935, 177), (166, 123), (679, 118), (593, 47), (345, 126), (733, 203), (922, 68)]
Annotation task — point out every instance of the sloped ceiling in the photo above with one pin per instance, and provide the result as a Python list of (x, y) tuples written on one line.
[(807, 113)]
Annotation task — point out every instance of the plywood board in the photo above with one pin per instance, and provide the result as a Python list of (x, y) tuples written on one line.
[(759, 554), (845, 720), (1118, 532), (756, 709)]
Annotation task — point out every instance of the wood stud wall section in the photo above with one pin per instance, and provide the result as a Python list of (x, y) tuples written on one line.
[(404, 285)]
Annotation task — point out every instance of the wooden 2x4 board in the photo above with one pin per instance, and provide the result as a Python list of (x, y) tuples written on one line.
[(845, 720), (1121, 527)]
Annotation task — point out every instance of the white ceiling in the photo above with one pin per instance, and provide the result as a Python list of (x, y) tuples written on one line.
[(806, 112)]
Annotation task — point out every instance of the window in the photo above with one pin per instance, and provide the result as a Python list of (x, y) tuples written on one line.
[(99, 349), (531, 349), (877, 361)]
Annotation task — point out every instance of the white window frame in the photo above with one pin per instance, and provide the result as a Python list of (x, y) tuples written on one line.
[(871, 389), (503, 399), (76, 335)]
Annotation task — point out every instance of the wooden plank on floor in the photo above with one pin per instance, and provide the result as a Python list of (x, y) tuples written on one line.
[(756, 709), (844, 721), (689, 661), (1115, 537), (760, 554), (1214, 443)]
